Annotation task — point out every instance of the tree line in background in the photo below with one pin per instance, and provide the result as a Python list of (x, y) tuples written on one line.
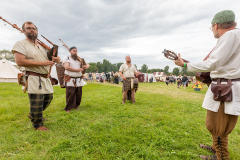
[(7, 55), (176, 71), (107, 66)]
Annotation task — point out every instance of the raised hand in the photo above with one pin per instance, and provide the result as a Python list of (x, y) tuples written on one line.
[(179, 61)]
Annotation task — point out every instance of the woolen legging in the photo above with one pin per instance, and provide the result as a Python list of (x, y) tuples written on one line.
[(220, 125), (73, 97)]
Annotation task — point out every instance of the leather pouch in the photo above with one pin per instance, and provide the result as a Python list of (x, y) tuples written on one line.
[(21, 79), (67, 78), (54, 81), (222, 92)]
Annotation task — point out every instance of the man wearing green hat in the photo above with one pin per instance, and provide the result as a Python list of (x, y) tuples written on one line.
[(223, 64)]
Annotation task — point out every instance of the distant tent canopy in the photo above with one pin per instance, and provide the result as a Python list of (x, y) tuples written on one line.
[(8, 73), (159, 74)]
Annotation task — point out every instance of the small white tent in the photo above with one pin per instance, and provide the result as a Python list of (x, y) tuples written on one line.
[(8, 73)]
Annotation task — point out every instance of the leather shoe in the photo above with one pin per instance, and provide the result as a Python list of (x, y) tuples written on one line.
[(42, 128)]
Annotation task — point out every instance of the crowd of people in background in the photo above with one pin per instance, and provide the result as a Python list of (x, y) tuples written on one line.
[(115, 78), (103, 77)]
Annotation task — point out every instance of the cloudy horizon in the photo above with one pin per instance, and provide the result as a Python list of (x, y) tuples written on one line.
[(104, 29)]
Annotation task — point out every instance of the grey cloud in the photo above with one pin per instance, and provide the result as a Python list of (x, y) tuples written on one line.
[(92, 25)]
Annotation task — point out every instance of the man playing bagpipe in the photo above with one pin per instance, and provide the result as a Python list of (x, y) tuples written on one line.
[(130, 85), (74, 71), (36, 61)]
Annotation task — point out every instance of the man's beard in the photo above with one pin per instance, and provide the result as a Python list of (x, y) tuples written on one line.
[(33, 37), (74, 56), (128, 61)]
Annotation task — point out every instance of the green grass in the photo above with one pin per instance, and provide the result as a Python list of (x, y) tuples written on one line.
[(165, 123)]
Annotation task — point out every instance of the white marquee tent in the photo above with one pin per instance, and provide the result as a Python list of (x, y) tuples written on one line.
[(8, 73)]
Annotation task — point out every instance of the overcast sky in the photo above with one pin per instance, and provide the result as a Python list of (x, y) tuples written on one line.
[(112, 29)]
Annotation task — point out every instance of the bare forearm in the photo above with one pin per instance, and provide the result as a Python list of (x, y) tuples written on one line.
[(21, 60), (72, 69), (27, 63), (120, 73)]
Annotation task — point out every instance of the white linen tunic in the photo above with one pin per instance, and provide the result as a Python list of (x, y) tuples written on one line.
[(128, 72), (223, 62), (34, 53), (76, 65)]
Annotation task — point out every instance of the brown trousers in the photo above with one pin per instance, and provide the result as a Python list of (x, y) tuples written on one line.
[(220, 125), (73, 97), (132, 95)]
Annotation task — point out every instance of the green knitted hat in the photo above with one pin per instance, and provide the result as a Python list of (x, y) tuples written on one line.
[(223, 17)]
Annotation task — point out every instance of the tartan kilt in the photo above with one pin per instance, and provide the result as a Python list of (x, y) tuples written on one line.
[(127, 85)]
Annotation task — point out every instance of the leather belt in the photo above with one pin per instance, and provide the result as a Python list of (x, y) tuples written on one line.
[(225, 80), (76, 77), (37, 74)]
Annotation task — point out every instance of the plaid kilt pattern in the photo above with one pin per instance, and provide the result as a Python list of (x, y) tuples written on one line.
[(38, 103), (127, 85)]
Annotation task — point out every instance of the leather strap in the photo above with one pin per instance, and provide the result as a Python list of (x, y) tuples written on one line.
[(225, 80), (37, 74)]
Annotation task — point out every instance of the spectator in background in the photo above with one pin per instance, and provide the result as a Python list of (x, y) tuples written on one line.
[(179, 81), (97, 77), (184, 80), (151, 79), (108, 77), (167, 80), (103, 77), (90, 76), (189, 80), (171, 79), (112, 77)]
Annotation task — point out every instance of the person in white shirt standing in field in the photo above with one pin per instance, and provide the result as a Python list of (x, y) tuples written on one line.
[(223, 65), (73, 73), (128, 71)]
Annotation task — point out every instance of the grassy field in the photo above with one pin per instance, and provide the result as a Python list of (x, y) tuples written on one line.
[(165, 123)]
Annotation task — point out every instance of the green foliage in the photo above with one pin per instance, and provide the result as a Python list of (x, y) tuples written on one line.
[(155, 70), (144, 68), (106, 66), (165, 123), (135, 66), (175, 71), (184, 70), (166, 70), (7, 54)]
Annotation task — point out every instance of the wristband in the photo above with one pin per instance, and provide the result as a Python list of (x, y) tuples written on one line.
[(185, 65)]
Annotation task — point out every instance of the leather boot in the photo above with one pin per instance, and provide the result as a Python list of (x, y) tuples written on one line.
[(221, 147)]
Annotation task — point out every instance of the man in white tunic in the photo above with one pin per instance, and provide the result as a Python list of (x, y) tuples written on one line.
[(128, 71), (222, 63), (73, 69), (33, 57)]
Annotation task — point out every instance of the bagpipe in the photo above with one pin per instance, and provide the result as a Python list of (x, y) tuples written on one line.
[(203, 77), (51, 51)]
